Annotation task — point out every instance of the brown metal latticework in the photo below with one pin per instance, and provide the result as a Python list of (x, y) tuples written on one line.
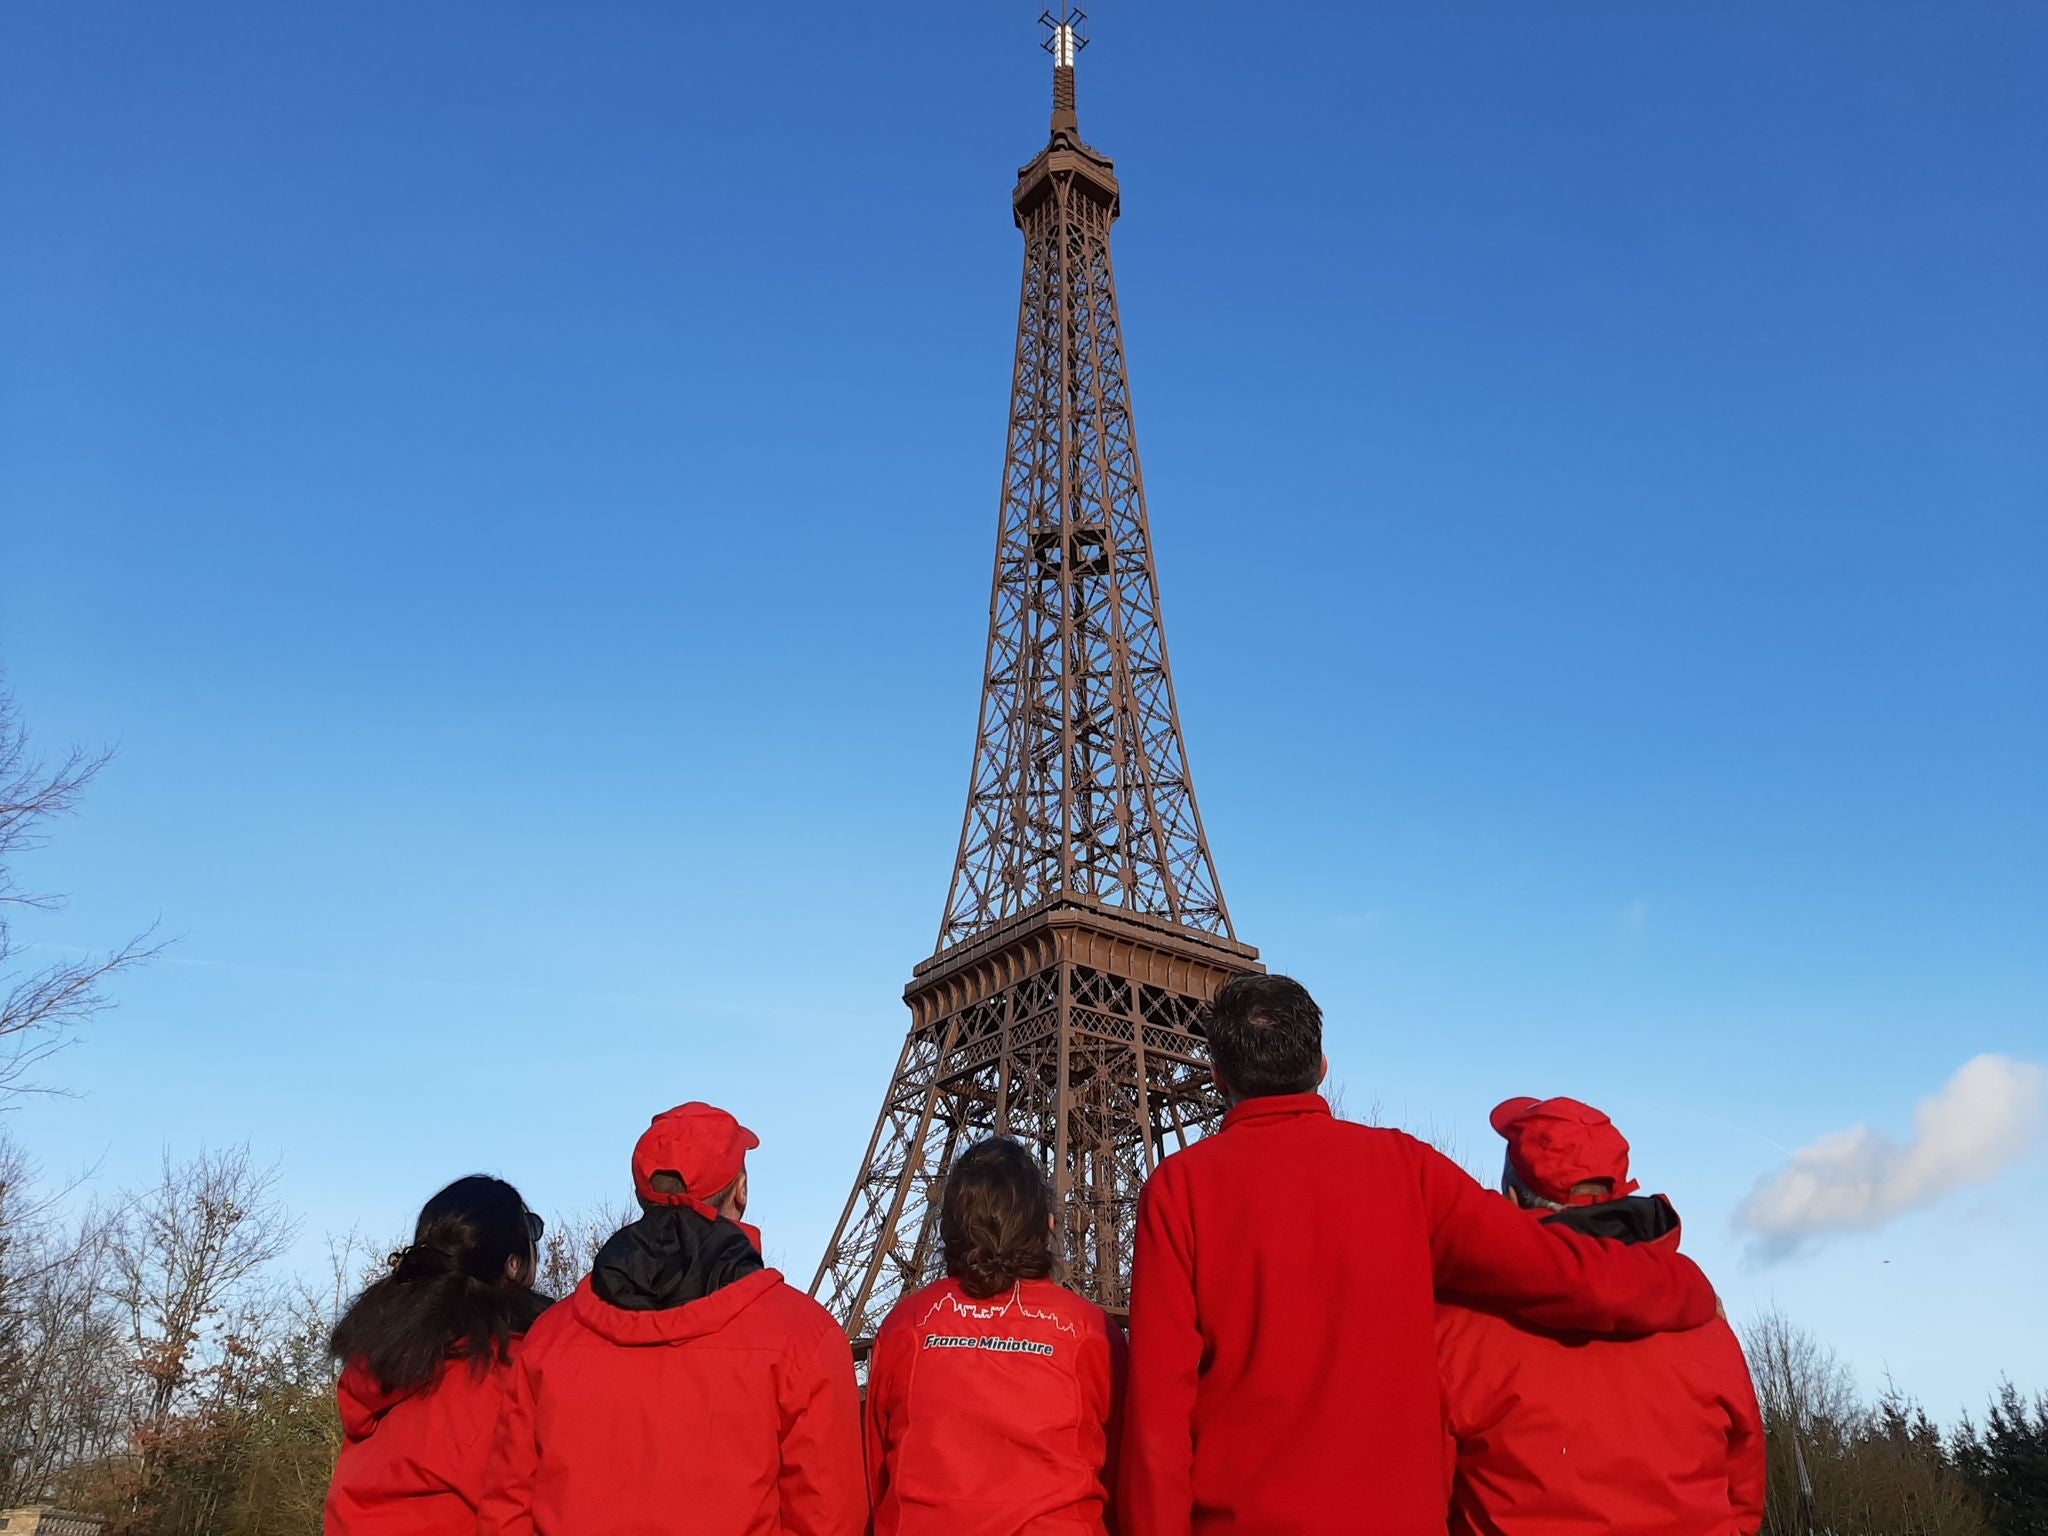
[(1085, 930)]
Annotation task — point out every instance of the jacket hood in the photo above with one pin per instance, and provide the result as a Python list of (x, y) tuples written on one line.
[(671, 1275), (364, 1402), (670, 1325), (669, 1257), (1637, 1219)]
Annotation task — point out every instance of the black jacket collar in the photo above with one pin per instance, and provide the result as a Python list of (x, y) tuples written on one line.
[(668, 1258), (1636, 1219)]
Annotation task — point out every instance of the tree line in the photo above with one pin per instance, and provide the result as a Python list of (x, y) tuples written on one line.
[(159, 1366), (1854, 1467)]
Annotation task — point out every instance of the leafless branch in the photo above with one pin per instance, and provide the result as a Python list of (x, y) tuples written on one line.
[(40, 1008)]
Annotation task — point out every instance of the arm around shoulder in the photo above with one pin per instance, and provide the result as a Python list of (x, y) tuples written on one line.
[(1483, 1247)]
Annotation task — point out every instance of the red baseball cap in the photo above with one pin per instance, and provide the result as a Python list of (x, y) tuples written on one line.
[(700, 1144), (1556, 1143)]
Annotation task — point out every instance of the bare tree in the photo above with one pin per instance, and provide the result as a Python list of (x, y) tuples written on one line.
[(1836, 1464), (1800, 1382), (39, 1007), (184, 1256), (289, 1432), (64, 1382), (571, 1244), (1443, 1138)]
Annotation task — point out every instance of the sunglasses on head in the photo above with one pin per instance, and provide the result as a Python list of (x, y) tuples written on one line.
[(535, 1227)]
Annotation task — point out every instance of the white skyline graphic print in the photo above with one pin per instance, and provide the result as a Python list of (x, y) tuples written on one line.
[(1012, 1306)]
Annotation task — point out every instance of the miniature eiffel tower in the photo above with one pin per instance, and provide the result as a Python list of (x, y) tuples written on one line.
[(1085, 931)]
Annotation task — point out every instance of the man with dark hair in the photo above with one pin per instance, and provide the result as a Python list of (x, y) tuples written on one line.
[(1558, 1432), (1283, 1363), (682, 1387), (1266, 1038)]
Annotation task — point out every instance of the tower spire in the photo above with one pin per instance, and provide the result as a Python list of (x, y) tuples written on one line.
[(1066, 36)]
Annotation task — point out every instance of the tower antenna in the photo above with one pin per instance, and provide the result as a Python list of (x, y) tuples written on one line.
[(1065, 36)]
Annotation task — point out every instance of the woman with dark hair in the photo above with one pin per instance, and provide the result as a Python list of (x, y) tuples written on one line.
[(425, 1351), (994, 1396)]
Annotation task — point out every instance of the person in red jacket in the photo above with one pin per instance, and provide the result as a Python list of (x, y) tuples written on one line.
[(1283, 1362), (993, 1395), (683, 1387), (1556, 1432), (426, 1350)]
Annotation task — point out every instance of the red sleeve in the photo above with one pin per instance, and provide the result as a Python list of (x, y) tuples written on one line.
[(885, 1388), (1155, 1484), (823, 1485), (1746, 1466), (1546, 1274), (1113, 1420), (507, 1505)]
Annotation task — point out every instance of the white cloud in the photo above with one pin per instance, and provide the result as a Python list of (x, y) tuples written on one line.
[(1985, 1117)]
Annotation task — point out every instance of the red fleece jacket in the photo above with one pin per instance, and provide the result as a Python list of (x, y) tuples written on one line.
[(412, 1463), (995, 1417), (1556, 1434), (732, 1415), (1283, 1359)]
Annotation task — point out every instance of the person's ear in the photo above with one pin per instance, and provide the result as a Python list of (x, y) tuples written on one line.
[(1323, 1076), (736, 1202)]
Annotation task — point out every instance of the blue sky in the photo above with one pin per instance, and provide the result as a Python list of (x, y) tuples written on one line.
[(518, 486)]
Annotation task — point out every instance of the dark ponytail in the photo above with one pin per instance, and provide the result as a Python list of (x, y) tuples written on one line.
[(462, 1289), (995, 1221)]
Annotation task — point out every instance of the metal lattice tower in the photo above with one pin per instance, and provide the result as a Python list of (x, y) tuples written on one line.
[(1084, 930)]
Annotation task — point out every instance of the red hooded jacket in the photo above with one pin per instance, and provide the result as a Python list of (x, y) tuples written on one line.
[(1283, 1361), (719, 1401), (995, 1417), (1560, 1433), (412, 1463)]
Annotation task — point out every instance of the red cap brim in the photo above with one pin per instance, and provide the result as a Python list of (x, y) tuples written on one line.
[(1508, 1111)]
